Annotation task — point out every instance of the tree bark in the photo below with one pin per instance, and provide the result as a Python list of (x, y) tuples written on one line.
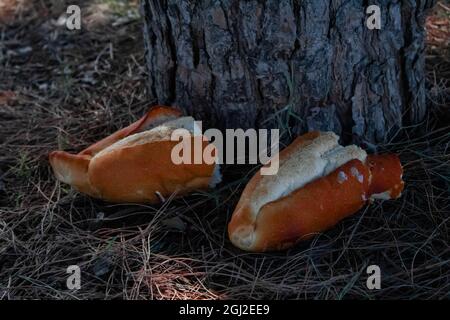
[(310, 64)]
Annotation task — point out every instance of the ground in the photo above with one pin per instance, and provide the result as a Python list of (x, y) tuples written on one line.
[(62, 89)]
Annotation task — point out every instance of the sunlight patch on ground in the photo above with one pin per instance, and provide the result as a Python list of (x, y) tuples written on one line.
[(438, 26), (110, 12), (10, 8)]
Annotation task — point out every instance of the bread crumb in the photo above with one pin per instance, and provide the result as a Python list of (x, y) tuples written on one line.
[(386, 195), (341, 177), (357, 175), (160, 196)]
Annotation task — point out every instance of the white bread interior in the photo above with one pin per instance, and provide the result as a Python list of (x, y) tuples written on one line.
[(160, 120), (302, 166), (162, 132)]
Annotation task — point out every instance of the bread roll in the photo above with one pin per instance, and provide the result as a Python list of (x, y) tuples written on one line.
[(318, 184), (134, 164), (154, 117)]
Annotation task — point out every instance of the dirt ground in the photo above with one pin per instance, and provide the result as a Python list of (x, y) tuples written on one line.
[(62, 89)]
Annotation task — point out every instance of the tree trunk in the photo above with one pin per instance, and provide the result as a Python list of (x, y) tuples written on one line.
[(312, 64)]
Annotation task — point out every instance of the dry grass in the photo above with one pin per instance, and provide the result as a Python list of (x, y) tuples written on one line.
[(62, 89)]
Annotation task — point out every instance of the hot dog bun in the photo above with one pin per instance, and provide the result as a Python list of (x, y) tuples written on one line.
[(134, 164), (318, 184), (154, 117)]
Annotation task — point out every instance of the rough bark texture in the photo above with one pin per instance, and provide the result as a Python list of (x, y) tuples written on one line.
[(236, 63)]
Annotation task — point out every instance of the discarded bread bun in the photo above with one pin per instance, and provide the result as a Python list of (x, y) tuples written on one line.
[(319, 182), (156, 116), (134, 164)]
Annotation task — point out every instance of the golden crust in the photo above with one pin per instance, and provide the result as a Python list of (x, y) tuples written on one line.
[(243, 217), (387, 173), (142, 172), (72, 169), (301, 215), (316, 206), (135, 174)]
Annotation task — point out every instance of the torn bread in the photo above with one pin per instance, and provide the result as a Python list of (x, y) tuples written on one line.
[(134, 164), (155, 116), (319, 182)]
